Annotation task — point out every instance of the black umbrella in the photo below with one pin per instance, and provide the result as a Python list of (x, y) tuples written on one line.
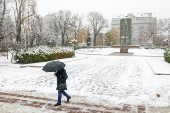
[(53, 66)]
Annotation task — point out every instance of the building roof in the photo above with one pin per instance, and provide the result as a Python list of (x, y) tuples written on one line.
[(137, 15)]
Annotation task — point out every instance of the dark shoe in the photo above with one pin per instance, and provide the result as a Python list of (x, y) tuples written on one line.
[(57, 104), (68, 99)]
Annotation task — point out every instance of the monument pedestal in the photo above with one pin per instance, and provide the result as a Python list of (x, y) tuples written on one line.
[(124, 49)]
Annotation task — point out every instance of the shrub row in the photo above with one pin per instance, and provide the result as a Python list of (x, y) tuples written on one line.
[(82, 47), (64, 55), (43, 53), (167, 55), (155, 47), (3, 49)]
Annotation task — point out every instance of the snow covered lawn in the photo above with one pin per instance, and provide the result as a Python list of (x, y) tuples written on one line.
[(101, 79)]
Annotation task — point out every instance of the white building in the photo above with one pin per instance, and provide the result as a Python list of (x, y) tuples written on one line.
[(143, 27)]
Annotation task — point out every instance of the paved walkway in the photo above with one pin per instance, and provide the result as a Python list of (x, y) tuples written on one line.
[(27, 102), (41, 104), (155, 61)]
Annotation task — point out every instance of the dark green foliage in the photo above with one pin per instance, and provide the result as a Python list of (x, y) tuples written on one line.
[(3, 49), (86, 47), (29, 58), (157, 47), (41, 55), (167, 56)]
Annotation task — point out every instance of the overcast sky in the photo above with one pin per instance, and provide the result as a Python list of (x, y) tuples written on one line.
[(160, 8)]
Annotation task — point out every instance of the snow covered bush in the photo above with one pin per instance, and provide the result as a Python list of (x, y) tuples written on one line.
[(3, 49), (64, 52), (167, 55), (43, 53), (157, 47)]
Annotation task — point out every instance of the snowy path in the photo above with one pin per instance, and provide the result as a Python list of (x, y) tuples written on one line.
[(42, 104), (95, 79), (118, 79)]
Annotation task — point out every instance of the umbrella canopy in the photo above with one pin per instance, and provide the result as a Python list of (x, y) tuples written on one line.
[(53, 66)]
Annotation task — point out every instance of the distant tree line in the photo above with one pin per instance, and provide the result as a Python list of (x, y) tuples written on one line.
[(163, 32), (22, 26), (26, 28)]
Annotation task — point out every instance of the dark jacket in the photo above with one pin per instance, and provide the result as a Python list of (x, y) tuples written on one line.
[(61, 76)]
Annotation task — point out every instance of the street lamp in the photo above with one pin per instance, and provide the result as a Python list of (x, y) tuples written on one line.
[(70, 43), (74, 42)]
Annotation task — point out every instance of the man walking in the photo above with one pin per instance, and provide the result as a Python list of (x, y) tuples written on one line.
[(61, 78)]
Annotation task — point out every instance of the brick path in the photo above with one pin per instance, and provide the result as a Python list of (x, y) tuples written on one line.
[(70, 107)]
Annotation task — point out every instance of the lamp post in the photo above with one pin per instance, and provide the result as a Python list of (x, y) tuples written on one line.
[(70, 43), (74, 42)]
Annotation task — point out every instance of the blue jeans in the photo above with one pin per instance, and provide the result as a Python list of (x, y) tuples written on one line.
[(60, 96)]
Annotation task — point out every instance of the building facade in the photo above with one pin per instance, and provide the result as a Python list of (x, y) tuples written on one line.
[(143, 28)]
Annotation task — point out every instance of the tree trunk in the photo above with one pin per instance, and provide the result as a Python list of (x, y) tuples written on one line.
[(18, 34), (32, 41), (3, 14), (12, 56), (94, 41), (1, 20), (62, 39)]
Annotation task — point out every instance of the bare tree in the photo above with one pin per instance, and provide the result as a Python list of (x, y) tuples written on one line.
[(63, 19), (97, 23), (163, 30), (49, 30), (10, 46), (33, 31), (2, 15), (167, 28), (22, 7), (143, 35), (39, 25), (29, 24), (160, 26), (77, 25)]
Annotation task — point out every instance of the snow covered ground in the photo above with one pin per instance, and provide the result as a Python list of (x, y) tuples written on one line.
[(99, 77)]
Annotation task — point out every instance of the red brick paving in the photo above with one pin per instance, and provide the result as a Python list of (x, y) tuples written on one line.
[(141, 109), (126, 107)]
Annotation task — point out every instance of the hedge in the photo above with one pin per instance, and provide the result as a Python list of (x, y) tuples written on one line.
[(167, 55), (157, 47), (43, 53), (3, 49)]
